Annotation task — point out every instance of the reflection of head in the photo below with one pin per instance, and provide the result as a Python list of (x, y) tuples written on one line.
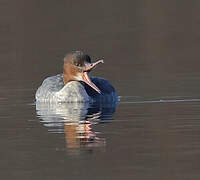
[(75, 120)]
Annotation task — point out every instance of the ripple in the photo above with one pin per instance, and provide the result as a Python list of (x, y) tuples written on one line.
[(76, 121), (140, 100)]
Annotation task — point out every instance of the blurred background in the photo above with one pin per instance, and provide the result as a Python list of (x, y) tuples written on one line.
[(151, 50)]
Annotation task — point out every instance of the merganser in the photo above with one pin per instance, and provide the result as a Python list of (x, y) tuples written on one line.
[(75, 85)]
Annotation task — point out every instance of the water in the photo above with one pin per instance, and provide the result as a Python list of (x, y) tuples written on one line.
[(151, 55)]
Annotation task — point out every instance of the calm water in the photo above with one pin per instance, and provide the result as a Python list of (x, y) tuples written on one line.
[(151, 52)]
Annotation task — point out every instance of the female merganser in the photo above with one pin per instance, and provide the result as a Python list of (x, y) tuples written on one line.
[(75, 85)]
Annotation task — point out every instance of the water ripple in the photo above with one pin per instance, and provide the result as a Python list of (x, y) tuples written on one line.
[(76, 121)]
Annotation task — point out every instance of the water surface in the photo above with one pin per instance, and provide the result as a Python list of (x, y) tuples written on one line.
[(151, 53)]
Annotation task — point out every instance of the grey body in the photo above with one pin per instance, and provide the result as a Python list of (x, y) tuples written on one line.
[(54, 90)]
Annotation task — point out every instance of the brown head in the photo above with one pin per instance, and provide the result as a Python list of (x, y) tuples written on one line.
[(77, 65)]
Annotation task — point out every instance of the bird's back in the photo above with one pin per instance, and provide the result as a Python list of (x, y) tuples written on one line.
[(49, 87), (54, 90)]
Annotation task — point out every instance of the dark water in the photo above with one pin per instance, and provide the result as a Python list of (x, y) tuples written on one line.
[(151, 52)]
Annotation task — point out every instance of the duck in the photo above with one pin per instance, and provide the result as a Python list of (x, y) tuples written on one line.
[(75, 83)]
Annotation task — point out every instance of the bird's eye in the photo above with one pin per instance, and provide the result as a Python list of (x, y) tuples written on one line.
[(77, 64)]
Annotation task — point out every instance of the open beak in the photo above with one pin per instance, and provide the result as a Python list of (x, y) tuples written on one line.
[(86, 78)]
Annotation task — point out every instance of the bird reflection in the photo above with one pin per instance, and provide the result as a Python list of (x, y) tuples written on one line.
[(76, 121)]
